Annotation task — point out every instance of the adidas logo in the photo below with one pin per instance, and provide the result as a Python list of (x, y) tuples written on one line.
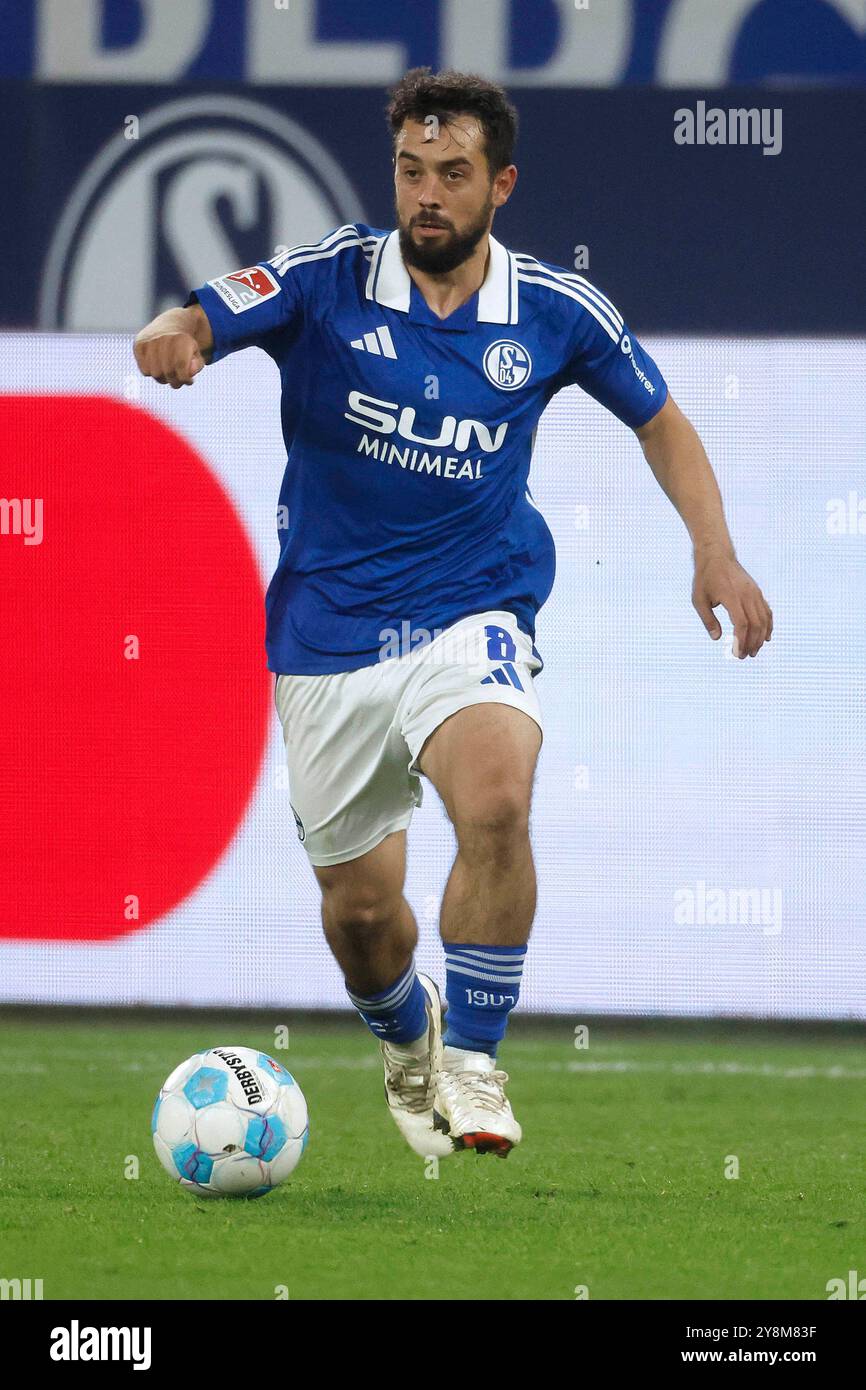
[(503, 675), (378, 343)]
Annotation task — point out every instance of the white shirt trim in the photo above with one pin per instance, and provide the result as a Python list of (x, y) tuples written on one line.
[(390, 284)]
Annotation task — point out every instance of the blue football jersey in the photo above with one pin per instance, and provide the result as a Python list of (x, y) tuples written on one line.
[(409, 437)]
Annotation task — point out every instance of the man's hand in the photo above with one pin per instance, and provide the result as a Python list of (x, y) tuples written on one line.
[(679, 461), (721, 579), (175, 346)]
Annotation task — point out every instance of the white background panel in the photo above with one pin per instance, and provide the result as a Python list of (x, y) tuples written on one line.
[(666, 764)]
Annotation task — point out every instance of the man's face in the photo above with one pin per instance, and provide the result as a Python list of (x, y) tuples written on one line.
[(444, 194)]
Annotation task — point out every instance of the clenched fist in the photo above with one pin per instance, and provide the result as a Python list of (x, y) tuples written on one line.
[(175, 346)]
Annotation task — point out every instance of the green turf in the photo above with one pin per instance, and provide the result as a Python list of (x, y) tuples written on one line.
[(619, 1184)]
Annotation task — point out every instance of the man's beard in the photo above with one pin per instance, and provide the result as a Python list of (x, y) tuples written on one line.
[(457, 248)]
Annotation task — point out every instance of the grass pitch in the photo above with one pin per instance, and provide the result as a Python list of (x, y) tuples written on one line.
[(619, 1185)]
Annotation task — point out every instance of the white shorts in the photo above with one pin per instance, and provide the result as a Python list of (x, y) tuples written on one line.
[(352, 737)]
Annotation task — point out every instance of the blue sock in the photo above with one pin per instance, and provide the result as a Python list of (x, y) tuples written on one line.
[(482, 987), (399, 1013)]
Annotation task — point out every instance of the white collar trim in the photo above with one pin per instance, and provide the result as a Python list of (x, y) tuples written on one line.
[(390, 284)]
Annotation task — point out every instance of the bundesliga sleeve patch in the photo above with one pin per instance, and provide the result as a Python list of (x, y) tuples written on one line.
[(244, 289)]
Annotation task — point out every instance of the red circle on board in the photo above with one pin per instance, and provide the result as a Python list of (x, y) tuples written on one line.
[(135, 695)]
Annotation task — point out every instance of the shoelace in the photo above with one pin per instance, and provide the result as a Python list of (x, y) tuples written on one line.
[(484, 1087), (410, 1088)]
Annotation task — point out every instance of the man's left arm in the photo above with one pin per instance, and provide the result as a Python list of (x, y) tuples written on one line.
[(678, 459)]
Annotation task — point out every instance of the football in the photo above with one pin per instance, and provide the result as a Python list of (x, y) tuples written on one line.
[(230, 1122)]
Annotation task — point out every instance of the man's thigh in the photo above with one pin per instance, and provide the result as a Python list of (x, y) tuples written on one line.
[(482, 762)]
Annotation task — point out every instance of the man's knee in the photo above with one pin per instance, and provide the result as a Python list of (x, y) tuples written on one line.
[(493, 816), (364, 895), (361, 911)]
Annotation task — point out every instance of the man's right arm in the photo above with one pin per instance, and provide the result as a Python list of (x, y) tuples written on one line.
[(175, 346)]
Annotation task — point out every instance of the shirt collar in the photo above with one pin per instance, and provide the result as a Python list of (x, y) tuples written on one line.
[(390, 284)]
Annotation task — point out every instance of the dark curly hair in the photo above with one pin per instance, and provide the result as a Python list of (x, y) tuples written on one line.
[(421, 93)]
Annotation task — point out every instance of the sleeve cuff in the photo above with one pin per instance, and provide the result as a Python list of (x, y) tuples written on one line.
[(220, 348)]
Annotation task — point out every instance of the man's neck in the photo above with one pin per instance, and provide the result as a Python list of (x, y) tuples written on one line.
[(445, 293)]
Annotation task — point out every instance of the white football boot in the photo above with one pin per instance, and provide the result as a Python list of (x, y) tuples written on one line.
[(472, 1106), (410, 1083)]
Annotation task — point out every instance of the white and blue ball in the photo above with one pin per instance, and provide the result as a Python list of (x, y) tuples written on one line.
[(230, 1122)]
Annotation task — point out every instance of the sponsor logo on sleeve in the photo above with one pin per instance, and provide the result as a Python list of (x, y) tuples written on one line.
[(625, 344), (244, 289)]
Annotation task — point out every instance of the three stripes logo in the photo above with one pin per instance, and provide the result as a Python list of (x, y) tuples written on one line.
[(503, 675), (379, 343)]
